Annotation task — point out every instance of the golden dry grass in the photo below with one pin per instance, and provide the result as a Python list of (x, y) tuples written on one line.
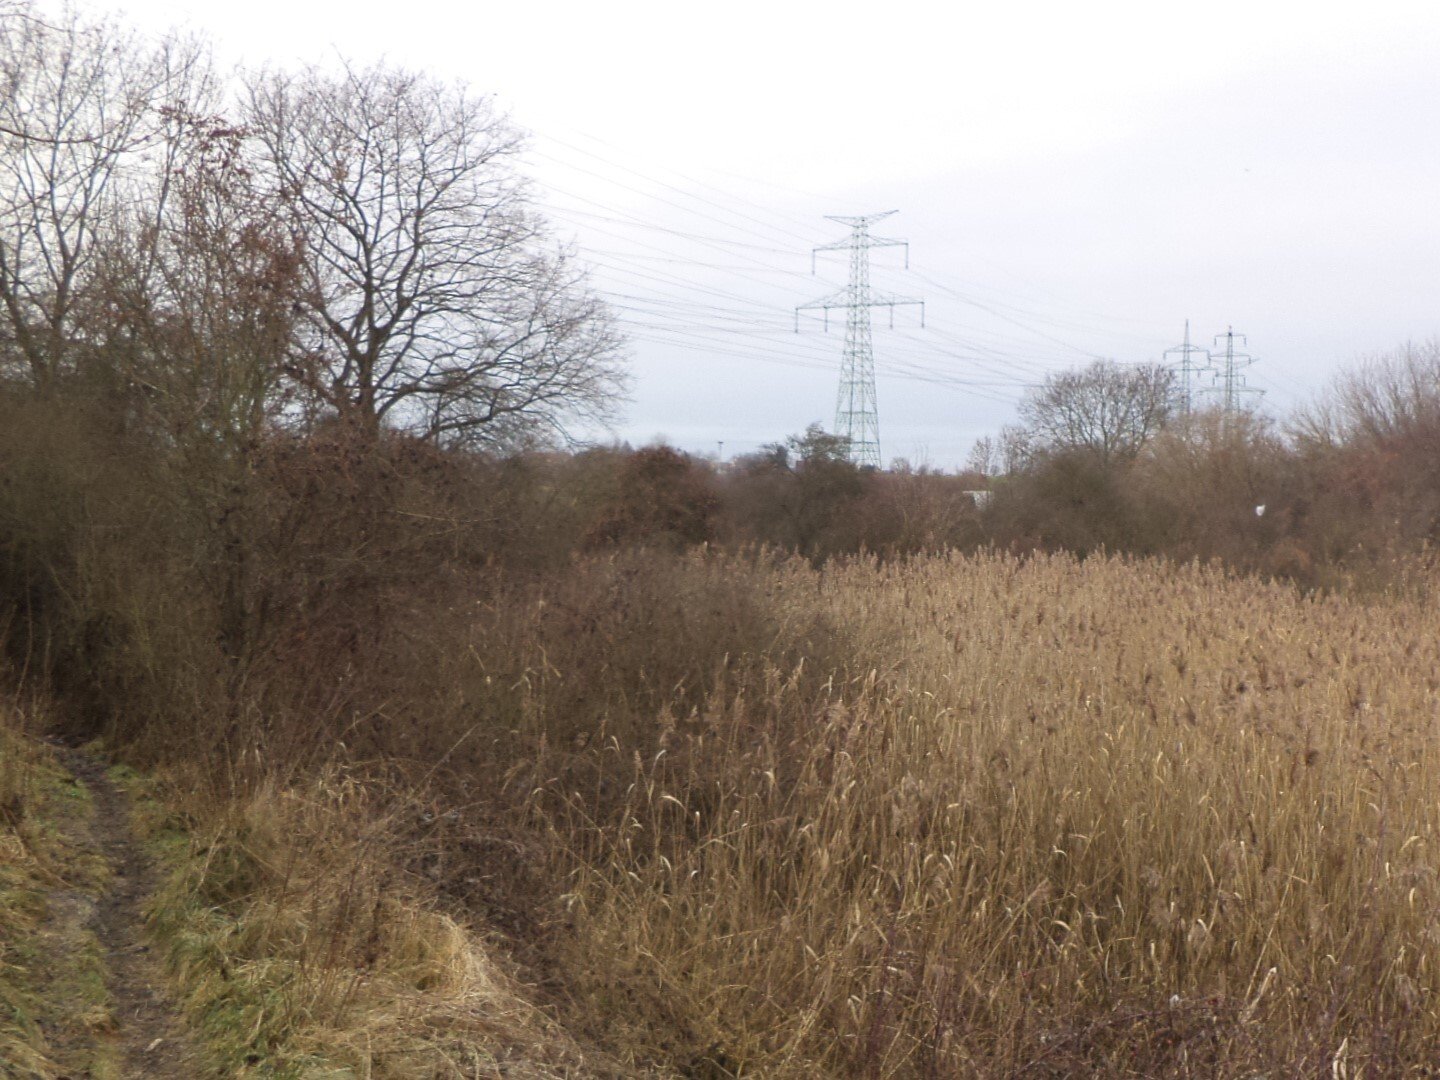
[(299, 947), (1057, 818)]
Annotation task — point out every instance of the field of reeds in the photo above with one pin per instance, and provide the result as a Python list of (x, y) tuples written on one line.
[(1034, 817), (712, 815)]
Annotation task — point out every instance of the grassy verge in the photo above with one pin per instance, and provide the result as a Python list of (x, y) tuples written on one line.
[(54, 1006), (299, 948)]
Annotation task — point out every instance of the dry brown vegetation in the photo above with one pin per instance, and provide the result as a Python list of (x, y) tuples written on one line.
[(994, 817), (27, 864), (1046, 818), (55, 1005), (450, 800), (300, 947), (465, 757)]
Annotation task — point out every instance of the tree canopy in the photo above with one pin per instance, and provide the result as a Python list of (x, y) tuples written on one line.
[(434, 301), (356, 245), (1107, 409)]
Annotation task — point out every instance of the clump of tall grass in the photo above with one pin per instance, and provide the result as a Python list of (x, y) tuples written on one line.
[(1054, 818), (300, 944)]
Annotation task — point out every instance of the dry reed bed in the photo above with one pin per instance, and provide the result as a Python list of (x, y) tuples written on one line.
[(1110, 817)]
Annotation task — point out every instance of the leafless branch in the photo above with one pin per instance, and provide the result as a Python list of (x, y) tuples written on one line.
[(435, 303)]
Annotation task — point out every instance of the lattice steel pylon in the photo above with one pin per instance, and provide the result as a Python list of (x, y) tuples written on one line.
[(1232, 382), (1188, 370), (857, 415)]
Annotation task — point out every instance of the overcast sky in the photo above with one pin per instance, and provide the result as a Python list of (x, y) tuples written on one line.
[(1075, 180)]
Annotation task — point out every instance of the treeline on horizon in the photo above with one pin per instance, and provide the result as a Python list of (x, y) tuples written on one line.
[(1343, 493)]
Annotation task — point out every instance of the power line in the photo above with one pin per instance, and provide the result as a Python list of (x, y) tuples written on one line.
[(672, 187), (662, 294), (1018, 316)]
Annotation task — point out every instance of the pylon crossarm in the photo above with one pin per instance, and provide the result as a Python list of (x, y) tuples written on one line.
[(883, 241), (860, 220), (879, 299), (839, 299), (842, 299)]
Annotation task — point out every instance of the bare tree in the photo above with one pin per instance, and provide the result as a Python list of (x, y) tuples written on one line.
[(1374, 438), (1108, 409), (1390, 399), (435, 304), (200, 303), (79, 103), (198, 307)]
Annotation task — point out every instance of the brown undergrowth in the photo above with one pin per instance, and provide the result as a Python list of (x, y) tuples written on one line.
[(707, 815), (61, 1007), (32, 857)]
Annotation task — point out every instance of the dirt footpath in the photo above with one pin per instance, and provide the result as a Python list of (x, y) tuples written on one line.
[(124, 1028)]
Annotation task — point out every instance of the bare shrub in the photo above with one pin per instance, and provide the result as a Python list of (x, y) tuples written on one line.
[(1371, 444)]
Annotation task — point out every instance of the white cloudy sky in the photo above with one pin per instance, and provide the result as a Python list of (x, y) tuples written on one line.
[(1075, 180)]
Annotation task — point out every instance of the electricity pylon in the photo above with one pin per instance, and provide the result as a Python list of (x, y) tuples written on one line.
[(857, 416), (1188, 369), (1232, 382)]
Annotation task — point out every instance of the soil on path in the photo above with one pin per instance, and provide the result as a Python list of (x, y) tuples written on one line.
[(143, 1035)]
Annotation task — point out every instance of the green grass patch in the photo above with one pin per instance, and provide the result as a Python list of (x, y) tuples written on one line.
[(53, 998), (242, 1009)]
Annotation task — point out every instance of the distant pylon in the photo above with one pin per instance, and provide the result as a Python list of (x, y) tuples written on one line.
[(1232, 381), (1188, 370), (857, 415)]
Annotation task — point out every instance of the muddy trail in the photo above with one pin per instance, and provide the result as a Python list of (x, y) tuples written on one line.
[(126, 1029)]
